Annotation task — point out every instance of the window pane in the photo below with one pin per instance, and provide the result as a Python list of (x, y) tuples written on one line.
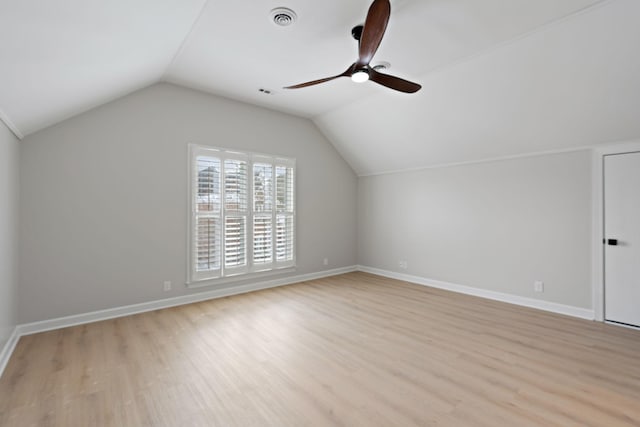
[(284, 189), (262, 240), (208, 184), (207, 244), (235, 185), (284, 238), (262, 187), (235, 251)]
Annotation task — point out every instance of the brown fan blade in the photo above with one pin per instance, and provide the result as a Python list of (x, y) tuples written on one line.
[(374, 28), (393, 82), (347, 73)]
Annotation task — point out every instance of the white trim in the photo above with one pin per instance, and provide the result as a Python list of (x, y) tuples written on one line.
[(553, 307), (7, 350), (597, 223), (623, 325), (597, 232), (111, 313), (13, 128), (608, 147), (479, 161), (227, 280)]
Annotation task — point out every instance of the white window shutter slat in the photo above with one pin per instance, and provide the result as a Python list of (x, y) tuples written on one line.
[(262, 187), (235, 238), (208, 244), (236, 192), (262, 240), (284, 238)]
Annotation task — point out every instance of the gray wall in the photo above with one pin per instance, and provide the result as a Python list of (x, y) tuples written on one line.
[(9, 159), (104, 197), (497, 226)]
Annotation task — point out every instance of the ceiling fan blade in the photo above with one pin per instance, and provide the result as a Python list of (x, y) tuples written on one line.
[(347, 73), (393, 82), (374, 28), (311, 83)]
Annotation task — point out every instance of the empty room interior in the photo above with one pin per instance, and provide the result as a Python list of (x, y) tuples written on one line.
[(300, 213)]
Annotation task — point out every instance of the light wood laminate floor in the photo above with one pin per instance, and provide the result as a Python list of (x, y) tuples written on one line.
[(352, 350)]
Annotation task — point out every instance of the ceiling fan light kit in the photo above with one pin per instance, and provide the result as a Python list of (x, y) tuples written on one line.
[(369, 37), (360, 76)]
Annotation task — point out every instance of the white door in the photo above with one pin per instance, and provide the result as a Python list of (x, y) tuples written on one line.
[(622, 238)]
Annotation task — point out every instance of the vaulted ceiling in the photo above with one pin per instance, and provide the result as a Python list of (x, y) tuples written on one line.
[(500, 77)]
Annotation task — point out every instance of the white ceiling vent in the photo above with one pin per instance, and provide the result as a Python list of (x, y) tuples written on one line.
[(283, 16)]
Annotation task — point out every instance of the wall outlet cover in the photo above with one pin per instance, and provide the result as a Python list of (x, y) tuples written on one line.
[(538, 286)]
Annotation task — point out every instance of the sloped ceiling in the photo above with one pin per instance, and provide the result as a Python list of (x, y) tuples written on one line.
[(62, 57), (572, 84), (500, 77)]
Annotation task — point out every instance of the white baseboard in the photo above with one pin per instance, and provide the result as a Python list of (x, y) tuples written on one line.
[(111, 313), (553, 307), (7, 350)]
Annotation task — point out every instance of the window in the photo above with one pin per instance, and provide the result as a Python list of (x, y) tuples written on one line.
[(242, 213)]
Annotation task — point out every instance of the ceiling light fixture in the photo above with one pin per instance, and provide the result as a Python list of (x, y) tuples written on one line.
[(360, 76)]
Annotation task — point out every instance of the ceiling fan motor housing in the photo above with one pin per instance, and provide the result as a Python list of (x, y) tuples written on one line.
[(356, 32)]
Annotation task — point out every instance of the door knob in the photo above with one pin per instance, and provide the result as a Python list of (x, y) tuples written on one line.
[(612, 242)]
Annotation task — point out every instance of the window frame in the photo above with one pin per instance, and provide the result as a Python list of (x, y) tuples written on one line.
[(196, 278)]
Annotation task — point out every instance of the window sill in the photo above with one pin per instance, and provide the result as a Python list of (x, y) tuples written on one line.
[(220, 282)]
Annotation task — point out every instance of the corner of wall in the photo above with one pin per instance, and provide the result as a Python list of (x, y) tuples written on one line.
[(9, 198)]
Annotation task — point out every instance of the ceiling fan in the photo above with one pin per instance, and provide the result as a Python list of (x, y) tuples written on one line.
[(369, 37)]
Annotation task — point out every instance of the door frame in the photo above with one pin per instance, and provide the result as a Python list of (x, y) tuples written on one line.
[(597, 223)]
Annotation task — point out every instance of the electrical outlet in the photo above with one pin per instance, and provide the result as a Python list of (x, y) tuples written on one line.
[(167, 285), (538, 286), (403, 264), (325, 261)]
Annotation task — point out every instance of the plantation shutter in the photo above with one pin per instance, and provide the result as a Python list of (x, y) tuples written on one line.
[(242, 213), (285, 213), (206, 216), (236, 200), (263, 214)]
